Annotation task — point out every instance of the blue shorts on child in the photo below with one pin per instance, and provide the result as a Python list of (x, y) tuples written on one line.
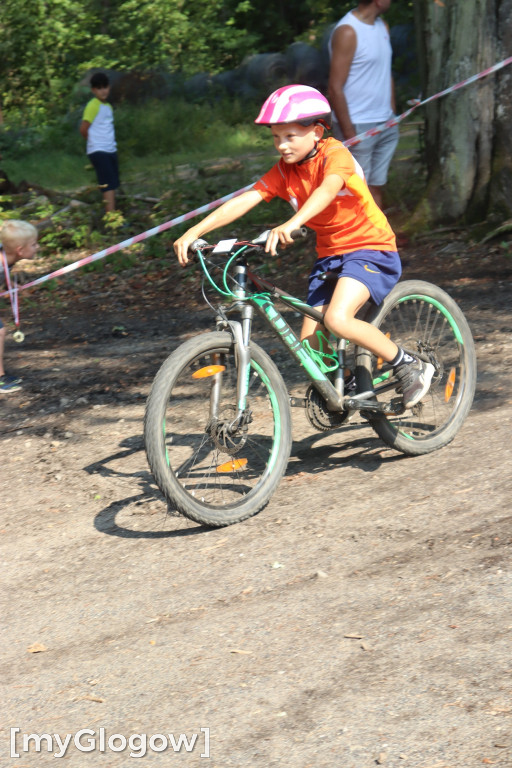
[(379, 271)]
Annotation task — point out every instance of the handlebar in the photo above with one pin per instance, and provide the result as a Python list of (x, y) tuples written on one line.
[(199, 244), (295, 235), (196, 246)]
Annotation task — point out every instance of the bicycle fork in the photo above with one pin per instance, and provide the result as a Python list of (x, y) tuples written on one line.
[(241, 333)]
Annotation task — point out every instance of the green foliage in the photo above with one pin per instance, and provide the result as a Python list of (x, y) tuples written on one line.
[(114, 221), (48, 45), (67, 232), (177, 127), (44, 44)]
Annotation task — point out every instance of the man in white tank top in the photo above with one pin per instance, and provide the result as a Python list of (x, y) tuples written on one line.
[(361, 89)]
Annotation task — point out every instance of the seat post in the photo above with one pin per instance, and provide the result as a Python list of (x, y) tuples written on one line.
[(339, 377)]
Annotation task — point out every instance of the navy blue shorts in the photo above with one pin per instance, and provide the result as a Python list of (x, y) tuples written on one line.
[(1, 324), (379, 271), (107, 170)]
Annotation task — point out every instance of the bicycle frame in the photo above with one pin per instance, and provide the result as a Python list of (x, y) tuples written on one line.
[(245, 303)]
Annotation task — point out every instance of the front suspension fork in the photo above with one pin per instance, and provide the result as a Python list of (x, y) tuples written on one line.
[(241, 332)]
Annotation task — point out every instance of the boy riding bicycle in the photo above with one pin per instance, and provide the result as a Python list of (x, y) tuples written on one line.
[(327, 189)]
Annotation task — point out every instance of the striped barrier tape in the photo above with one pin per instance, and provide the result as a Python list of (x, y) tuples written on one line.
[(395, 120), (13, 292), (130, 241)]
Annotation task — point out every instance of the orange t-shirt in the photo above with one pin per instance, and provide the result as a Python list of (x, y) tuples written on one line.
[(352, 221)]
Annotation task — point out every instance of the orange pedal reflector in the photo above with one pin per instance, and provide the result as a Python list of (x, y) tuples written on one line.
[(232, 466), (380, 360), (208, 370), (448, 390)]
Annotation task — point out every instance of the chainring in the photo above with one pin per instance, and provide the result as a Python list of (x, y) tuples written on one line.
[(318, 414)]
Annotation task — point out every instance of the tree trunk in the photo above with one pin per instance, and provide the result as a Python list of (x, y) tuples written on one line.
[(500, 192), (468, 134)]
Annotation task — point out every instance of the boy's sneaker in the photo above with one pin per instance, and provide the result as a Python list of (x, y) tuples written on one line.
[(9, 384), (414, 380)]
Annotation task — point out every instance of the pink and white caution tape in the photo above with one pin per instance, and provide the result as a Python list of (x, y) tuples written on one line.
[(398, 118), (130, 241), (13, 292)]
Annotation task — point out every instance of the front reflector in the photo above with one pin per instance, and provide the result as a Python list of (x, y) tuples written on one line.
[(232, 466), (208, 370), (450, 384)]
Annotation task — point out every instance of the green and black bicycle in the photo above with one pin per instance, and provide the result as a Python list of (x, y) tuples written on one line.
[(218, 422)]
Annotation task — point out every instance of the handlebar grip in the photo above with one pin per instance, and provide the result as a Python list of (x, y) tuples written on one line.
[(196, 245), (262, 239), (301, 232)]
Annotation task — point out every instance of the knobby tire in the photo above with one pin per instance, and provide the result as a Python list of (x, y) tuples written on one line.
[(424, 320), (208, 471)]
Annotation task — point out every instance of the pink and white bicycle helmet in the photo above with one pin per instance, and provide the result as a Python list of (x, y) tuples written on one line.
[(295, 104)]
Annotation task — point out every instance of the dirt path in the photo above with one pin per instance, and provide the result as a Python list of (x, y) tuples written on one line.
[(363, 618)]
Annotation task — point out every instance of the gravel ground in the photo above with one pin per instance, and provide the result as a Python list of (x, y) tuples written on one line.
[(363, 618)]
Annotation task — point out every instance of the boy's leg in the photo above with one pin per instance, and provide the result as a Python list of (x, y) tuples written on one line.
[(310, 327), (112, 176), (348, 298), (109, 198), (107, 172), (413, 374)]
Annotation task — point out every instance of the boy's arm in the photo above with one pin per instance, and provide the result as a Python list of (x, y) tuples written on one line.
[(222, 216), (84, 128), (315, 204)]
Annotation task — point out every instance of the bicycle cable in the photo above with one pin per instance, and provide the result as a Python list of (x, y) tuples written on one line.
[(207, 264)]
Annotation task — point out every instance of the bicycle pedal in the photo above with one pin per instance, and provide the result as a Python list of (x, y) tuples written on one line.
[(396, 406), (298, 402)]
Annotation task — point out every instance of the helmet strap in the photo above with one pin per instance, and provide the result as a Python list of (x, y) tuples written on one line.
[(309, 155)]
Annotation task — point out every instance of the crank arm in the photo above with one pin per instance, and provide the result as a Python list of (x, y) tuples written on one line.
[(395, 407)]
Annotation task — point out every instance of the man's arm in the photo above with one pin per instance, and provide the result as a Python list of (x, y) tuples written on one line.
[(393, 96), (344, 43)]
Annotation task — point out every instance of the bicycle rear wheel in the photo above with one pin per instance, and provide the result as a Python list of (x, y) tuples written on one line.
[(426, 321), (209, 468)]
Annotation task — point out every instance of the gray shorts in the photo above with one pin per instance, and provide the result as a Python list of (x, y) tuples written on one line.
[(373, 153)]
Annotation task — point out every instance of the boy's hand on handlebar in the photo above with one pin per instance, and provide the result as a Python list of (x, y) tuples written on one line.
[(281, 235), (181, 246)]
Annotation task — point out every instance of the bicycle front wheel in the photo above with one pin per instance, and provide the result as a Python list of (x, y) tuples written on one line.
[(426, 321), (213, 466)]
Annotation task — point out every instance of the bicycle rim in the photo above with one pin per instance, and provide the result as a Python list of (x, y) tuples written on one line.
[(430, 325)]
